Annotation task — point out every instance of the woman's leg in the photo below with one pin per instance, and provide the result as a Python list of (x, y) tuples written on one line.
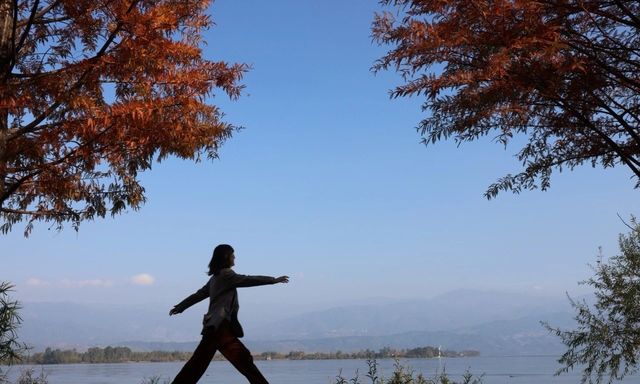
[(199, 361), (238, 355)]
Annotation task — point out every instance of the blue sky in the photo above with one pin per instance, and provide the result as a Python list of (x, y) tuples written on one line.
[(327, 183)]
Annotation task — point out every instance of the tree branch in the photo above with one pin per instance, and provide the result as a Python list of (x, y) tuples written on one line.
[(41, 13), (623, 156), (78, 83), (629, 129), (624, 222), (26, 30), (628, 12), (14, 186)]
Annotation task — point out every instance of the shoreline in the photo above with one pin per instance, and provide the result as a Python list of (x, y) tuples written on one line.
[(258, 357), (111, 355)]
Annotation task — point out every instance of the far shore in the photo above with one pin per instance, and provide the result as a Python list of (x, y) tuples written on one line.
[(112, 355)]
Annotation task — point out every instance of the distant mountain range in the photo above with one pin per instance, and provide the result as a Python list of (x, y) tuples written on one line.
[(493, 323), (524, 336), (447, 312)]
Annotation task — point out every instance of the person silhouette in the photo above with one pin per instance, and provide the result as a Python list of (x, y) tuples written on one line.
[(221, 329)]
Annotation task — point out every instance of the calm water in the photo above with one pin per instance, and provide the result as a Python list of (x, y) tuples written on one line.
[(497, 370)]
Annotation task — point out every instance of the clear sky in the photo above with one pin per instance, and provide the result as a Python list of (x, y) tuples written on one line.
[(327, 183)]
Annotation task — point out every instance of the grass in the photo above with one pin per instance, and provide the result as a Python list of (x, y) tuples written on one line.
[(27, 376), (154, 380), (403, 374)]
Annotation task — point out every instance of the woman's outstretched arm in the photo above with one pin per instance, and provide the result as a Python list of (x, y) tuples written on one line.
[(242, 281), (197, 297)]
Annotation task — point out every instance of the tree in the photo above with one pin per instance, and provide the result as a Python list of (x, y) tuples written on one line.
[(607, 340), (563, 74), (91, 93), (10, 348)]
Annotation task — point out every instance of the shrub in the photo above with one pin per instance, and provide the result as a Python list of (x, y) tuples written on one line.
[(10, 348)]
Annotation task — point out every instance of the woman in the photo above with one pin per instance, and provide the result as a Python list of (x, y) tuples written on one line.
[(221, 328)]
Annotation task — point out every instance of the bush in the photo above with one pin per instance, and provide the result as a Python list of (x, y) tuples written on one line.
[(606, 342), (10, 348)]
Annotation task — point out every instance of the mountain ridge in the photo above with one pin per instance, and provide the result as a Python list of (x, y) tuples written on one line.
[(445, 319)]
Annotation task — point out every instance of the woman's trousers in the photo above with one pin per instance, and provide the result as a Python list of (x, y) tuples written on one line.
[(219, 339)]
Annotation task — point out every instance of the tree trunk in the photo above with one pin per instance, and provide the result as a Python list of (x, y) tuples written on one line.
[(7, 46)]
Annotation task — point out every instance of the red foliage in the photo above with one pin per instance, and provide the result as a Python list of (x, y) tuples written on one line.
[(564, 73), (92, 92)]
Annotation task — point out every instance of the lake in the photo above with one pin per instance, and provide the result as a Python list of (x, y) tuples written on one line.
[(496, 370)]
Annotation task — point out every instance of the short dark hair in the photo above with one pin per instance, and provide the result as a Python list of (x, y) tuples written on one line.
[(220, 259)]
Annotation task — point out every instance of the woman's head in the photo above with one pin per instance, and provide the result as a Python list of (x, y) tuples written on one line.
[(223, 257)]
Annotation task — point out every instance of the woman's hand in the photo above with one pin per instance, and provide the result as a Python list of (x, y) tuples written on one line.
[(282, 279), (174, 311)]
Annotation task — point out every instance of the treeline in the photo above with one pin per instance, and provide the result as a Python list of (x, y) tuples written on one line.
[(384, 353), (103, 355), (124, 355)]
